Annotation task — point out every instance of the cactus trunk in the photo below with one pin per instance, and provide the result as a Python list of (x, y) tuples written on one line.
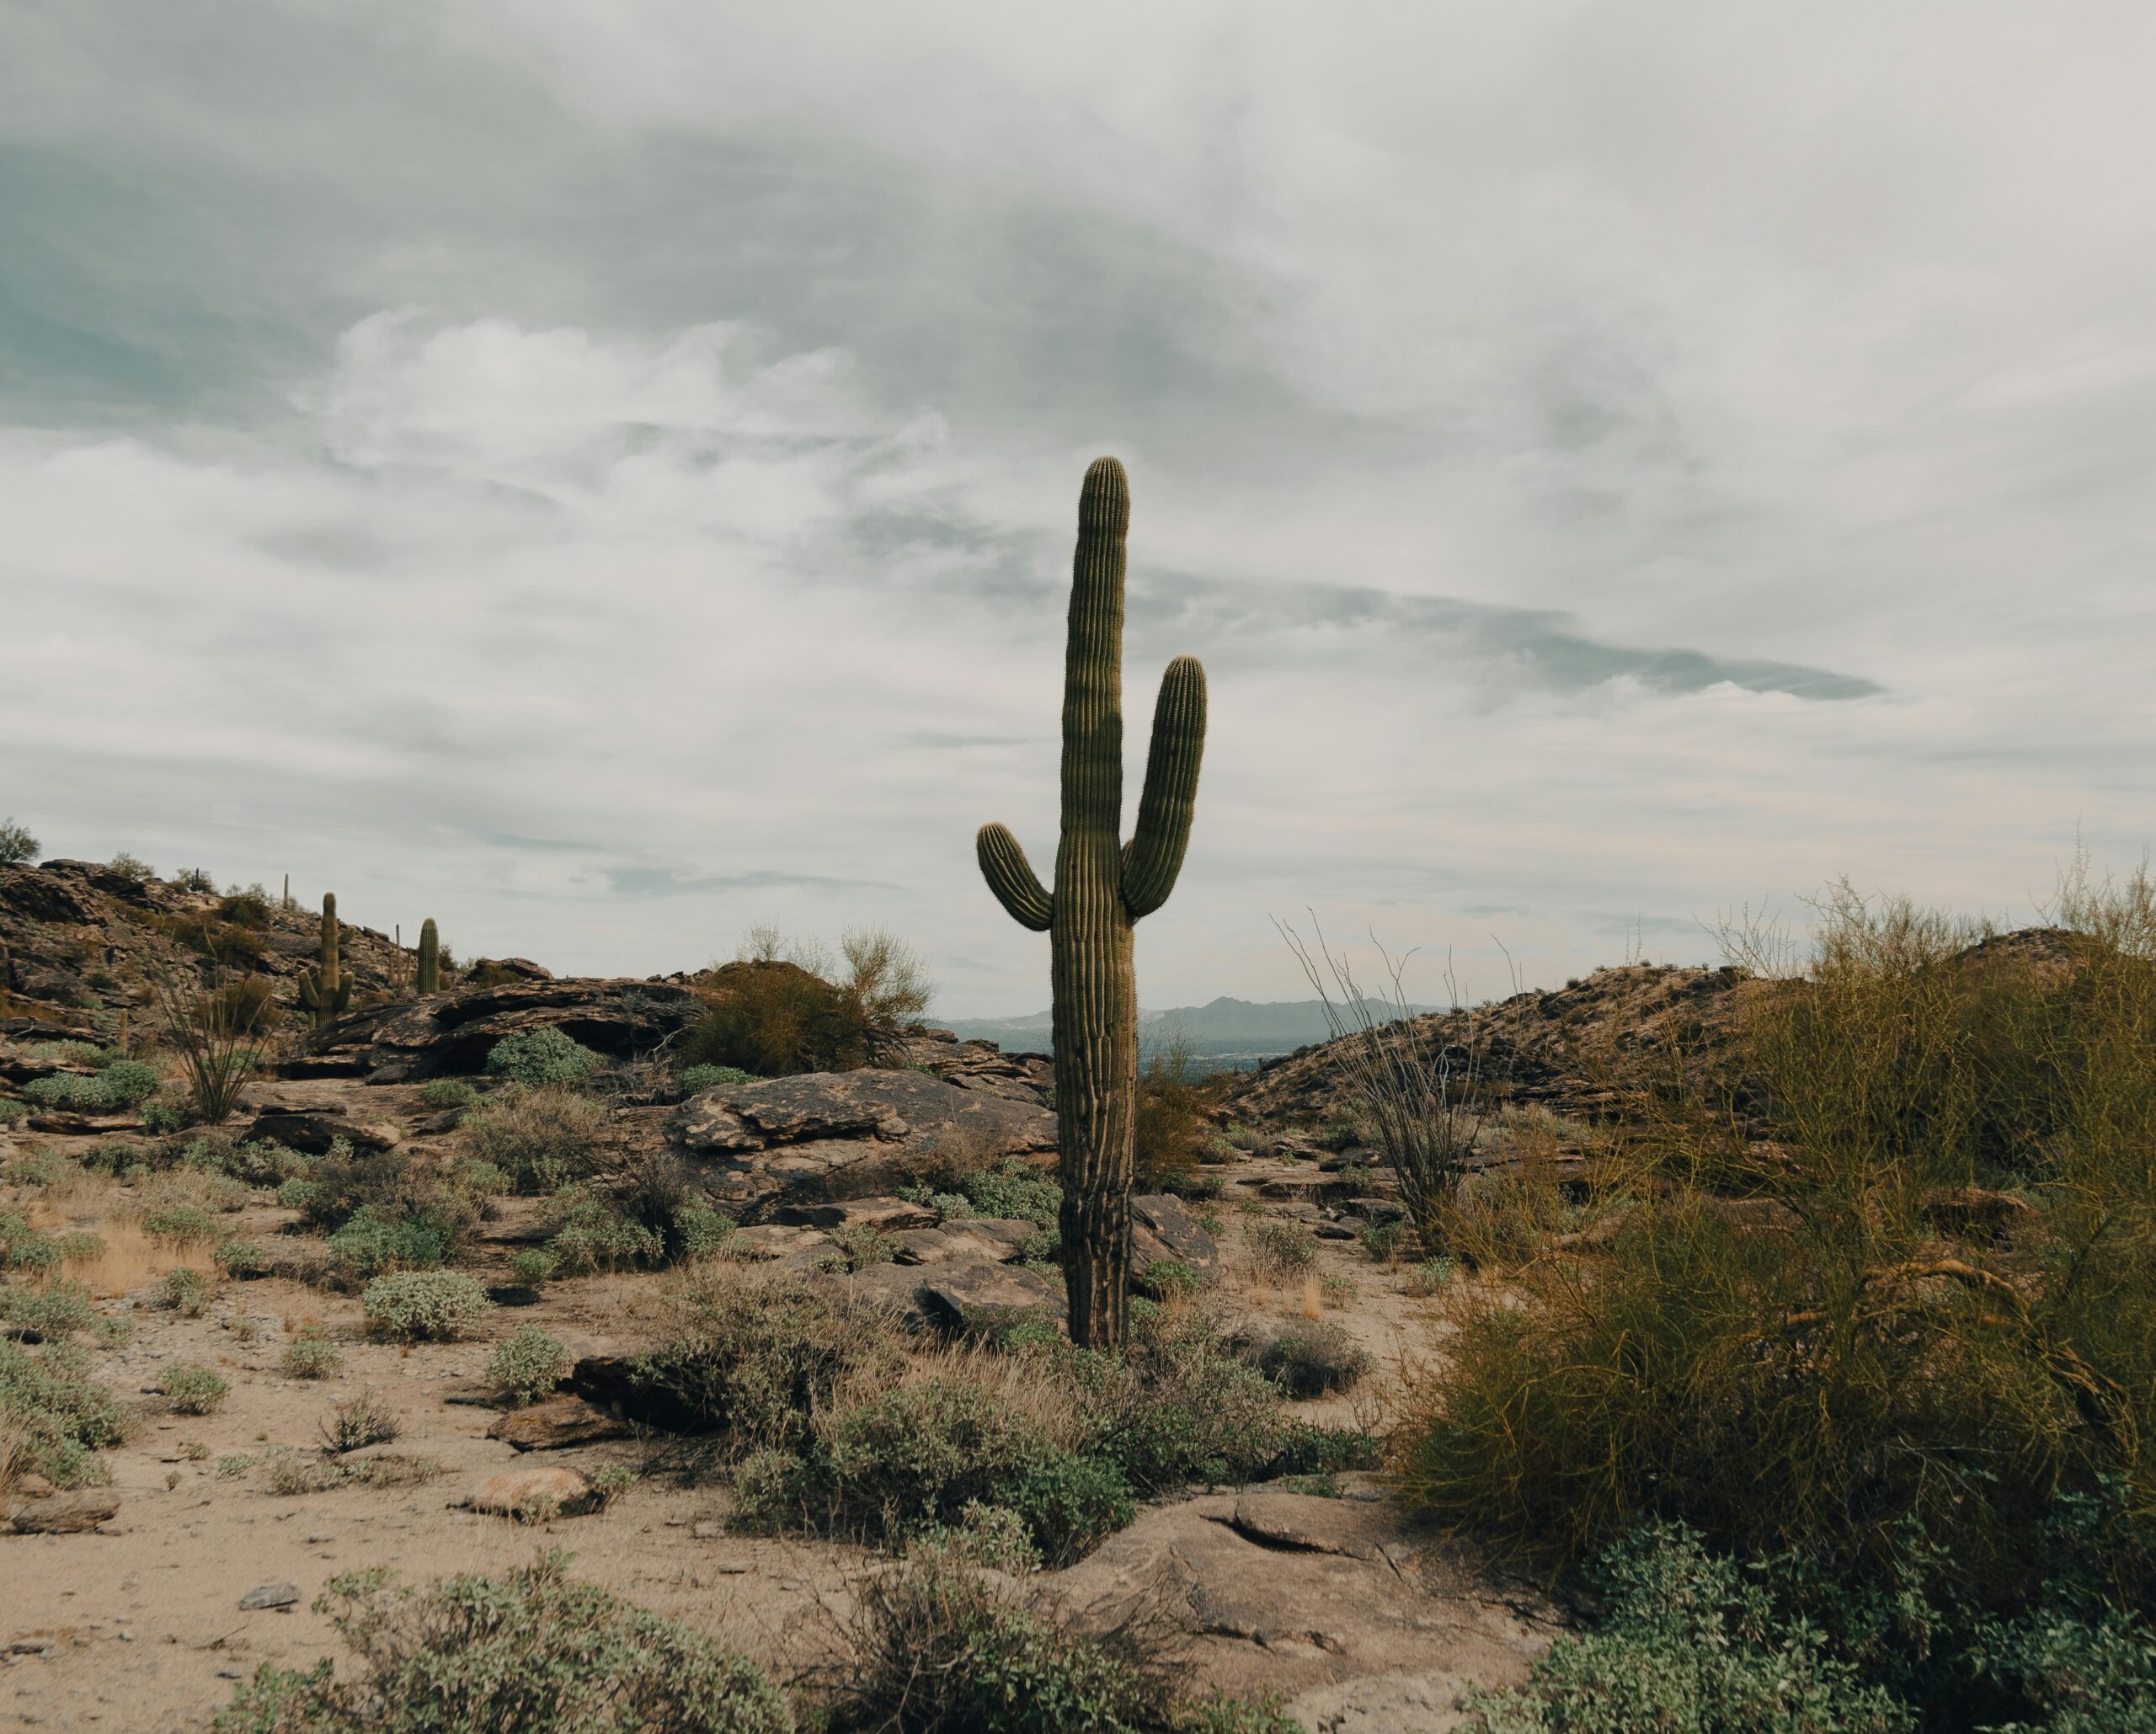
[(324, 990), (429, 957), (1101, 888)]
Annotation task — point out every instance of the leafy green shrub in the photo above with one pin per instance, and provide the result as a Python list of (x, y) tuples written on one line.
[(1165, 1279), (697, 1078), (1386, 1241), (391, 1186), (193, 1391), (78, 1246), (1311, 1359), (528, 1364), (45, 1315), (185, 1290), (863, 1244), (936, 1646), (371, 1246), (181, 1224), (700, 1231), (592, 1234), (771, 1016), (240, 1260), (545, 1055), (22, 1248), (1282, 1249), (989, 1536), (312, 1357), (448, 1093), (16, 844), (1689, 1641), (1015, 1191), (252, 1163), (301, 1195), (437, 1306), (533, 1265), (1169, 1131), (529, 1652), (63, 1416), (11, 1110), (540, 1139), (118, 1087)]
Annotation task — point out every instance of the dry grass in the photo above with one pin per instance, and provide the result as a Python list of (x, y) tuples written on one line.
[(132, 1259)]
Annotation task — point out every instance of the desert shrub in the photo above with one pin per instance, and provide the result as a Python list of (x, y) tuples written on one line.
[(1014, 1191), (699, 1230), (78, 1246), (1431, 1275), (371, 1246), (1310, 1358), (45, 1315), (1166, 1279), (252, 1163), (697, 1078), (193, 1391), (11, 1110), (528, 1364), (1171, 1131), (448, 1093), (752, 1354), (863, 1244), (591, 1233), (770, 1016), (240, 1259), (120, 1085), (358, 1422), (544, 1055), (17, 844), (185, 1290), (1282, 1249), (181, 1224), (25, 1249), (63, 1416), (936, 1647), (435, 1306), (533, 1265), (312, 1358), (542, 1138), (391, 1188), (1688, 1641), (1387, 1240), (531, 1651)]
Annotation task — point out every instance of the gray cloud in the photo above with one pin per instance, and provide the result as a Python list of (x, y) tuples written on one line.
[(667, 882)]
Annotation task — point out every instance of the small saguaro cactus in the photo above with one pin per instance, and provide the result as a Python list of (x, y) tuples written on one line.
[(1103, 886), (324, 991), (429, 957)]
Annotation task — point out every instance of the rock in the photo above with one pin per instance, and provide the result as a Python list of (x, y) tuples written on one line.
[(981, 1066), (1974, 1213), (312, 1131), (454, 1032), (84, 1125), (889, 1214), (1163, 1227), (977, 1295), (776, 1243), (827, 1137), (999, 1238), (1306, 1521), (706, 1531), (270, 1595), (892, 1290), (533, 1496), (556, 1423), (67, 1514), (30, 1485), (1388, 1703)]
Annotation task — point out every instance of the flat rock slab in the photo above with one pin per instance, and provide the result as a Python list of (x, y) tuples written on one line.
[(454, 1032), (999, 1238), (1280, 1614), (977, 1294), (556, 1423), (1389, 1704), (889, 1214), (1164, 1228), (66, 1514), (270, 1595), (314, 1131), (534, 1495)]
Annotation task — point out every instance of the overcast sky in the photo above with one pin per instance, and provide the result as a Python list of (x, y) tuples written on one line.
[(602, 472)]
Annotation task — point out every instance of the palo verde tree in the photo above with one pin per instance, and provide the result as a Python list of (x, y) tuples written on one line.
[(1103, 886)]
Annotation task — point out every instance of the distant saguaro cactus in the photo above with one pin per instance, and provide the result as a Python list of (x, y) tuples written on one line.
[(1103, 886), (324, 991), (429, 957)]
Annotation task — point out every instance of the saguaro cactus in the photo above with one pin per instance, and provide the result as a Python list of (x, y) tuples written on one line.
[(324, 990), (1103, 886), (429, 957)]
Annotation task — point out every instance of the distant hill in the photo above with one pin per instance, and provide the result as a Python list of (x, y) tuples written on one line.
[(1225, 1034)]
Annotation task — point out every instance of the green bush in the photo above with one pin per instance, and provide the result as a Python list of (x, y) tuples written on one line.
[(312, 1357), (531, 1651), (545, 1055), (697, 1078), (1311, 1359), (193, 1391), (78, 1246), (528, 1364), (185, 1290), (540, 1139), (1014, 1191), (413, 1306), (391, 1188), (265, 1163), (533, 1265), (371, 1246), (182, 1224), (63, 1416), (1282, 1249), (240, 1259), (45, 1315), (591, 1234), (118, 1085), (700, 1231), (23, 1249), (1692, 1644), (11, 1110), (1165, 1279), (448, 1093)]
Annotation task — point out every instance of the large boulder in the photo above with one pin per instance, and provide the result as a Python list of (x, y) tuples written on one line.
[(1164, 1230), (823, 1137), (453, 1032)]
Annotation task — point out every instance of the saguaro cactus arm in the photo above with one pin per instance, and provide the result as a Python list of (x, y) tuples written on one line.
[(1154, 856), (1011, 878)]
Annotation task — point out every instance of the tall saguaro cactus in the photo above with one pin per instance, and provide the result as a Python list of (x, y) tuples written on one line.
[(1103, 886), (429, 957), (324, 991)]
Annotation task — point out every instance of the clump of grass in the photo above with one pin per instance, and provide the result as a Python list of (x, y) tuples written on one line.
[(531, 1651), (193, 1391), (447, 1093), (1281, 1249), (1310, 1358), (358, 1422)]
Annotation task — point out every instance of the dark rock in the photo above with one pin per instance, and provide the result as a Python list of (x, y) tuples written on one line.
[(312, 1131), (556, 1423), (999, 1238), (1974, 1213), (890, 1214), (67, 1514), (1164, 1227), (270, 1595), (977, 1296), (892, 1289)]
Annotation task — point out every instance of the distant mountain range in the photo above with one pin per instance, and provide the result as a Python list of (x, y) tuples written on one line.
[(1225, 1034)]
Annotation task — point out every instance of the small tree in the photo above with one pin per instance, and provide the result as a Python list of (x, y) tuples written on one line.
[(16, 844)]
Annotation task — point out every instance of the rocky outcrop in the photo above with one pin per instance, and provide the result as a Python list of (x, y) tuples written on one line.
[(828, 1136), (556, 1423), (980, 1065), (453, 1032)]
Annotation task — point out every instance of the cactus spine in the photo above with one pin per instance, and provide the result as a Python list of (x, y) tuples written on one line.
[(324, 991), (1103, 886), (429, 957)]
